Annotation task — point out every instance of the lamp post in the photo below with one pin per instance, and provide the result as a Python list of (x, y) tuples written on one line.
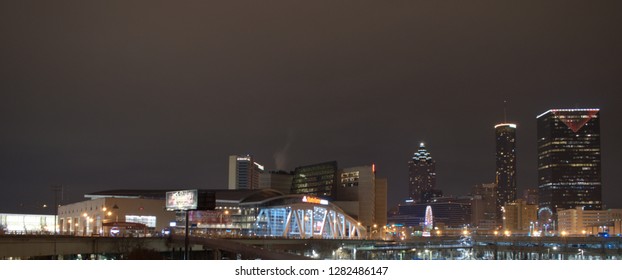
[(429, 253), (56, 190), (91, 226), (549, 251), (86, 223)]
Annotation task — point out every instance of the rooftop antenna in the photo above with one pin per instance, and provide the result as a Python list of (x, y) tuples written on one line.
[(505, 114)]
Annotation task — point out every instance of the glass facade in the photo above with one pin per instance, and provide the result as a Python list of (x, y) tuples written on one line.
[(149, 221), (26, 224), (318, 179), (290, 216), (506, 162), (297, 219), (454, 213), (569, 162)]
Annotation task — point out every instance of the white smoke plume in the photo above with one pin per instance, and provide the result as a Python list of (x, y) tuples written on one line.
[(280, 156)]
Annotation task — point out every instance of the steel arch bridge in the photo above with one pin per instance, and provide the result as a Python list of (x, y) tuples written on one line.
[(307, 220)]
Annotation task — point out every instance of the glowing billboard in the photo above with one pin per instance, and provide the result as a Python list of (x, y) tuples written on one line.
[(182, 200)]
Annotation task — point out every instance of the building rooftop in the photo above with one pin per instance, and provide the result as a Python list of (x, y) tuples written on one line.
[(223, 195)]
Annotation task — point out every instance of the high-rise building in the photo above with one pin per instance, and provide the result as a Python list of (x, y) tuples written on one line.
[(244, 173), (569, 168), (505, 134), (317, 179), (356, 193), (484, 208), (422, 176)]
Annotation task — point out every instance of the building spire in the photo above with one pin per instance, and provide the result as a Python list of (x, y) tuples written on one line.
[(505, 113), (422, 153)]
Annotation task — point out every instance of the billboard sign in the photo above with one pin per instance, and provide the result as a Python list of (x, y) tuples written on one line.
[(182, 200), (314, 200)]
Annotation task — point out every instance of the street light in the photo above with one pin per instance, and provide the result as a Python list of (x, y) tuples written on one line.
[(86, 223), (429, 253), (371, 233), (91, 226), (548, 251)]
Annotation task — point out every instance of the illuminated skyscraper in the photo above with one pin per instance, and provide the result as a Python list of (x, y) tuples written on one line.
[(505, 134), (569, 169), (422, 176), (244, 173)]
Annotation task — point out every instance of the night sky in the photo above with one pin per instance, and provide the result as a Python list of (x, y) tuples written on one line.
[(96, 95)]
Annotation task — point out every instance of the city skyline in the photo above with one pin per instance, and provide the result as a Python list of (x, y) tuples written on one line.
[(126, 97)]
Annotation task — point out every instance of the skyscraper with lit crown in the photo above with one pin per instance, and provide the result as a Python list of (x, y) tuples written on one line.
[(569, 164), (422, 176)]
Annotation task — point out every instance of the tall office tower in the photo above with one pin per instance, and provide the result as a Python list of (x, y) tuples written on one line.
[(244, 173), (569, 159), (422, 181), (317, 179), (505, 135)]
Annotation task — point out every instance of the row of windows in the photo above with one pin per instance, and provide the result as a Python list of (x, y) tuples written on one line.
[(567, 164)]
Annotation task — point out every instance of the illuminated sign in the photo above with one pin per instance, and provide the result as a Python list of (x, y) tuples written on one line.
[(182, 200), (149, 221), (258, 166), (314, 200)]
